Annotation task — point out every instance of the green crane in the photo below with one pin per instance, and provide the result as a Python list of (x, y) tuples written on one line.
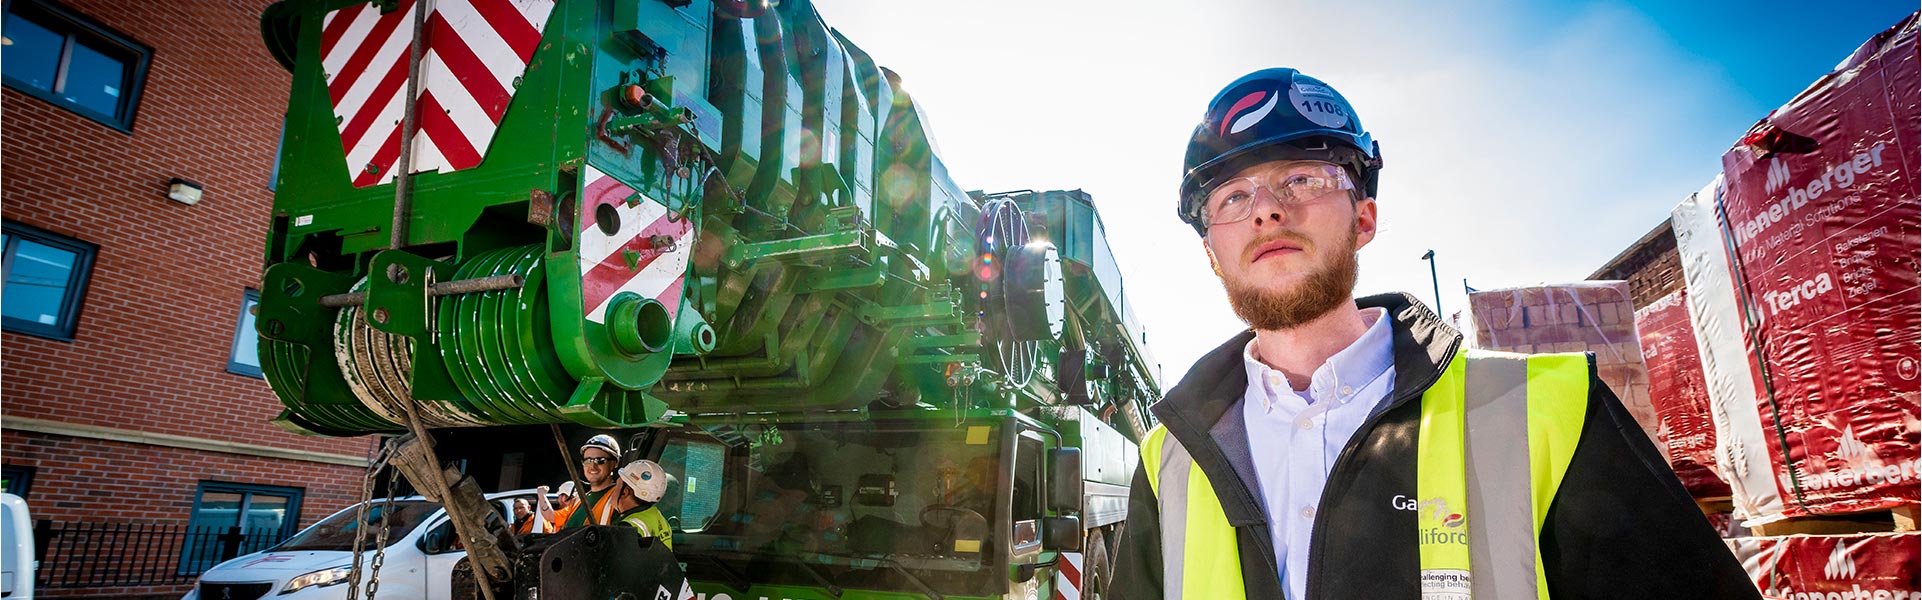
[(721, 229)]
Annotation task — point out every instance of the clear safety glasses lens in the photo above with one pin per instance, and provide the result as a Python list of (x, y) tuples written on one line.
[(1234, 200)]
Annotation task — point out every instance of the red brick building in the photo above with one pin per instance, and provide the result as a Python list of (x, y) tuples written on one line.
[(130, 398), (1652, 266)]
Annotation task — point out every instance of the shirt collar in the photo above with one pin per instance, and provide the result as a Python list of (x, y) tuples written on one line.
[(1367, 358)]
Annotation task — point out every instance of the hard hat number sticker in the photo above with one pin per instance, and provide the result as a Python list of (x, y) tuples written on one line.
[(1319, 104)]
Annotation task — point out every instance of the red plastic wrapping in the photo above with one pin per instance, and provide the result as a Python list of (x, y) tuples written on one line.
[(1822, 217), (1870, 566), (1676, 389)]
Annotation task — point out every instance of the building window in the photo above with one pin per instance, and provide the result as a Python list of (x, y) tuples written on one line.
[(231, 519), (63, 57), (46, 275), (16, 479), (245, 358)]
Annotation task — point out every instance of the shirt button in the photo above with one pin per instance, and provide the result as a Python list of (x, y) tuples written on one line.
[(1307, 512), (1347, 391), (1274, 379), (1305, 423)]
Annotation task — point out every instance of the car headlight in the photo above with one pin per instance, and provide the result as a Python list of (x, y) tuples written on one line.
[(322, 578)]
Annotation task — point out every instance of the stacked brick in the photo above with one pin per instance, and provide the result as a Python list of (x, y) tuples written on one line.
[(1592, 316), (1686, 432), (1803, 285)]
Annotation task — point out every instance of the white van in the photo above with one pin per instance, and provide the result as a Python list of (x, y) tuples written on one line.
[(16, 530), (313, 564)]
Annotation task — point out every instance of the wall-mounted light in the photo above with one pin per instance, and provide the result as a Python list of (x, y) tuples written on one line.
[(183, 191)]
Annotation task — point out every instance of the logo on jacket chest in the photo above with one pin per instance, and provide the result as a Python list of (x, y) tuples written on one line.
[(1431, 510)]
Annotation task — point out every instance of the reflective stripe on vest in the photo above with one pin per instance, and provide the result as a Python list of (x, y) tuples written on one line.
[(1472, 460), (1200, 558)]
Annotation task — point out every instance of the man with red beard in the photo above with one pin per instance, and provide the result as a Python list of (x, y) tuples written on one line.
[(1347, 448)]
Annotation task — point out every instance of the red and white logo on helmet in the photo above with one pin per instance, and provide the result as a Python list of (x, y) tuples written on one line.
[(1247, 110)]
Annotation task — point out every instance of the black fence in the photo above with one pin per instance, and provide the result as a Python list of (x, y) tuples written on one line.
[(86, 555)]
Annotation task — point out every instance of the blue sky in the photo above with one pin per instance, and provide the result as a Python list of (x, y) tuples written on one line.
[(1769, 50), (1524, 142)]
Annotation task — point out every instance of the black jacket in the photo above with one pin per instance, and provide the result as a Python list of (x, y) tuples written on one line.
[(1621, 525)]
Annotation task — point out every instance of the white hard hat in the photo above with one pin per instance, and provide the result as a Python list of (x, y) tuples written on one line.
[(566, 489), (647, 478), (604, 442)]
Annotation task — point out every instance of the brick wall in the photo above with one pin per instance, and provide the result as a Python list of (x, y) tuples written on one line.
[(156, 326), (86, 479), (96, 481), (1652, 267)]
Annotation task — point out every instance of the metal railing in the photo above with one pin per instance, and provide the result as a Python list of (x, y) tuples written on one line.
[(99, 554)]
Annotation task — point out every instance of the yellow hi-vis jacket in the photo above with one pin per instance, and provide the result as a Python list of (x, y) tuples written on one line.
[(1497, 431)]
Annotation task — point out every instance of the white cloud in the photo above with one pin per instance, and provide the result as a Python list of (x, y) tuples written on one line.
[(1520, 147)]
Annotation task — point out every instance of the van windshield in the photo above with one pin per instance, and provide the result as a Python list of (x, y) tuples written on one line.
[(337, 532)]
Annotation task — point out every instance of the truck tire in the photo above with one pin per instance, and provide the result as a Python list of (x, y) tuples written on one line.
[(1095, 569)]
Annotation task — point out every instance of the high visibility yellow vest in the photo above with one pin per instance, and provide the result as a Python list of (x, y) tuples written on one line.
[(1480, 501), (651, 523)]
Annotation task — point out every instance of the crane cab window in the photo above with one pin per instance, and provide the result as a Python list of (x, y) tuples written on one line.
[(701, 466), (1025, 509)]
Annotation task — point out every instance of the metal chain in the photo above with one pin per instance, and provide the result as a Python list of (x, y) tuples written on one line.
[(386, 524), (360, 518)]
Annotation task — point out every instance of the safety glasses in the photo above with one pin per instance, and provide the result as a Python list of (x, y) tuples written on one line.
[(1234, 200), (595, 460)]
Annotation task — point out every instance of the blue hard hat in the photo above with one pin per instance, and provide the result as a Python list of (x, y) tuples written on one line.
[(1274, 114)]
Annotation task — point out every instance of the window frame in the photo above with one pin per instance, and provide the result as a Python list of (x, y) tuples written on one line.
[(673, 504), (84, 254), (1024, 543), (19, 479), (288, 526), (74, 25), (293, 494), (250, 297)]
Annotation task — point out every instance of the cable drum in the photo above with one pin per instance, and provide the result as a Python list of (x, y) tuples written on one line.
[(378, 366), (283, 364), (498, 345)]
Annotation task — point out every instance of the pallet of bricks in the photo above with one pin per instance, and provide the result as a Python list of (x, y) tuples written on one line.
[(1781, 381), (1801, 263)]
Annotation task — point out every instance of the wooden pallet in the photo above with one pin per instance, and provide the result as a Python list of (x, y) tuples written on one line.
[(1880, 521), (1718, 505), (1905, 517)]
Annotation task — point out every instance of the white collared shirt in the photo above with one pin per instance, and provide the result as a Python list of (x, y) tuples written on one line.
[(1294, 437)]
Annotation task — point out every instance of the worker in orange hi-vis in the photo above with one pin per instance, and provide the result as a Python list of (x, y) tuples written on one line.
[(543, 514), (600, 456), (524, 519)]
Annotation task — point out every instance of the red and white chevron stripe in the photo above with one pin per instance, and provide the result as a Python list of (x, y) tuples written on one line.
[(1067, 577), (472, 51), (657, 273)]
